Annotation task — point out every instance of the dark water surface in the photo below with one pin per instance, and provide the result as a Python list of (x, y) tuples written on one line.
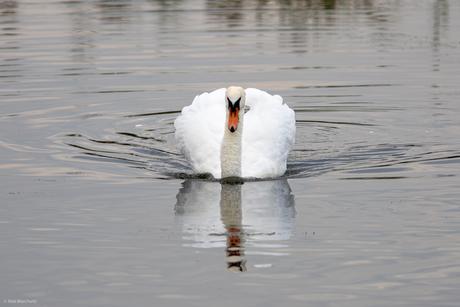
[(99, 209)]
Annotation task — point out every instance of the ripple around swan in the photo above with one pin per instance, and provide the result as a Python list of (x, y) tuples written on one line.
[(149, 146)]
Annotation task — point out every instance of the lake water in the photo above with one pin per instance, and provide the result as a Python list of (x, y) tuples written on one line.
[(99, 209)]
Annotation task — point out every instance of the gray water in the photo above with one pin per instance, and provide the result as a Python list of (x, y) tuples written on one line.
[(99, 209)]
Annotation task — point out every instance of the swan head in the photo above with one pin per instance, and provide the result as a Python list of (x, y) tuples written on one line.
[(235, 99)]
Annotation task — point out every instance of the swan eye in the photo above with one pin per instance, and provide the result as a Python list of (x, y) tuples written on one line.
[(234, 105)]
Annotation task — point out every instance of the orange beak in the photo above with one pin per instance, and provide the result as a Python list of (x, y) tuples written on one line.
[(233, 119)]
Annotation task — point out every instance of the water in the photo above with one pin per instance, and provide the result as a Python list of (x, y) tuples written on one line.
[(99, 208)]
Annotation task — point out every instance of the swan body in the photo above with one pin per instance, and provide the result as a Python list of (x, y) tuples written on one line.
[(217, 136)]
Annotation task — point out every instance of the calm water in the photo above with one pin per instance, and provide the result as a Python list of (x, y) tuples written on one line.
[(99, 209)]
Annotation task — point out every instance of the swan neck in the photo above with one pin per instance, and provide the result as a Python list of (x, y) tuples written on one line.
[(230, 154)]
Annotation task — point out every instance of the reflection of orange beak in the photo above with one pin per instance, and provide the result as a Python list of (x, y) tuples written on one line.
[(233, 119)]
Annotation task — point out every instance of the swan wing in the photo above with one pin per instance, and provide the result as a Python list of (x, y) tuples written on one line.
[(199, 132), (268, 135)]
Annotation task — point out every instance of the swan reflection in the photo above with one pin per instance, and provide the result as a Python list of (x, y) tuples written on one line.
[(236, 217)]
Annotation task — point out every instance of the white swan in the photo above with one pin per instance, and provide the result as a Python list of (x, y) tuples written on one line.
[(211, 135)]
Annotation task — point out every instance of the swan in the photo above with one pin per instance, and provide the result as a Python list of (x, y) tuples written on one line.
[(218, 136)]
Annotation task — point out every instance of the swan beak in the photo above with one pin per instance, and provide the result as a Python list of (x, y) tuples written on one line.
[(233, 118)]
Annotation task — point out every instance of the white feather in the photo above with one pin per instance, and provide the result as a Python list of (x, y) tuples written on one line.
[(268, 133)]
